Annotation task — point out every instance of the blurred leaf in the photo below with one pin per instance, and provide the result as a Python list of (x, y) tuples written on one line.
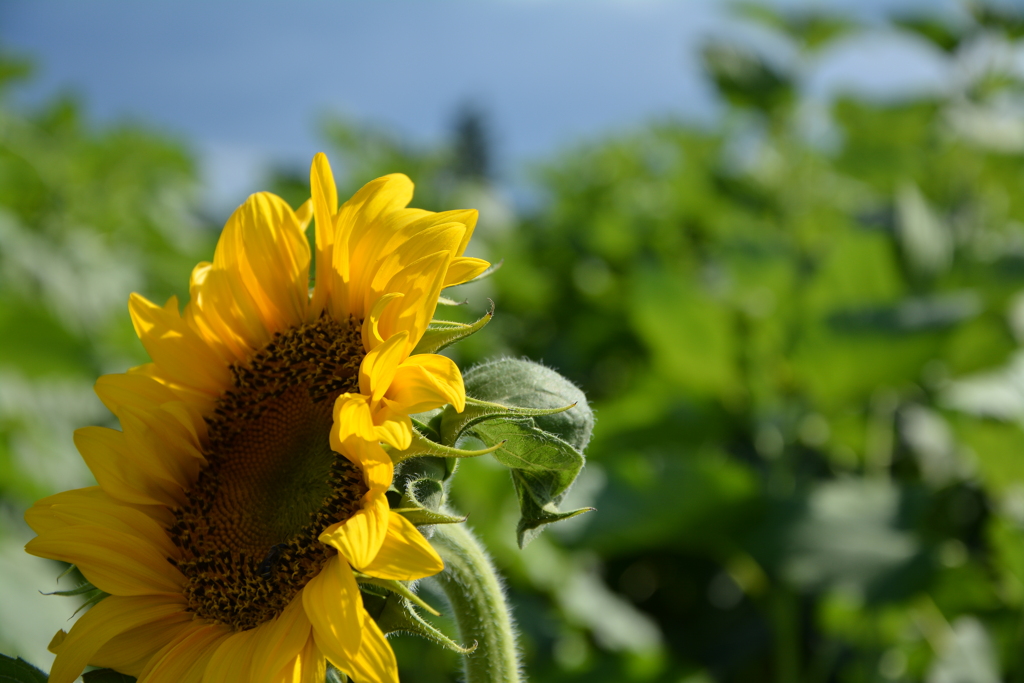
[(997, 451), (939, 33), (691, 336), (746, 78), (969, 657), (19, 671), (926, 241), (670, 501), (849, 536)]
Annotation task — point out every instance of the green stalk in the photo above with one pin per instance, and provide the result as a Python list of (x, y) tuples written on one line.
[(478, 604)]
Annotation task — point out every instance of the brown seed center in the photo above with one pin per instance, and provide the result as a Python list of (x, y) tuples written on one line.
[(248, 535)]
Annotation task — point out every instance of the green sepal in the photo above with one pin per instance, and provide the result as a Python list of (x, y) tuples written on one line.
[(335, 675), (106, 676), (441, 334), (421, 446), (423, 517), (454, 424), (84, 588), (67, 571), (445, 301), (398, 588), (423, 501), (395, 614), (91, 600), (19, 671), (426, 493), (430, 427)]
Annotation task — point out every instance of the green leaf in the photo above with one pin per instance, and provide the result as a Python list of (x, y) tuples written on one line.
[(522, 446), (441, 334), (535, 513), (106, 676), (19, 671), (543, 468)]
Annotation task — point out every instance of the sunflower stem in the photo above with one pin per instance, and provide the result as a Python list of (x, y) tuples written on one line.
[(478, 603)]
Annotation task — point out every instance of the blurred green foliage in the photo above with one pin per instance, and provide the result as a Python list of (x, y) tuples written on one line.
[(802, 343), (87, 215)]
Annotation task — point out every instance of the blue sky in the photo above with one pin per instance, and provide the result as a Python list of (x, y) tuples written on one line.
[(246, 82)]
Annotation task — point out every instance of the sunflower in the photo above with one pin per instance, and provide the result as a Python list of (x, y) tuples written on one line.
[(247, 483)]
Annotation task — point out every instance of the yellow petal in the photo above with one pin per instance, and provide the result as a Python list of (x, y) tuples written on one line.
[(309, 666), (325, 205), (223, 311), (184, 659), (263, 246), (464, 269), (405, 554), (427, 381), (421, 283), (370, 332), (108, 619), (385, 234), (159, 437), (122, 474), (42, 515), (352, 418), (138, 390), (304, 214), (335, 609), (101, 510), (398, 239), (223, 335), (359, 538), (393, 427), (468, 217), (443, 237), (375, 661), (131, 651), (356, 217), (232, 659), (282, 641), (121, 389), (113, 561), (379, 365), (176, 348), (378, 469)]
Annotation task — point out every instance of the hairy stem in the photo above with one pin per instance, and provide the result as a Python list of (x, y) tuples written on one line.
[(478, 603)]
